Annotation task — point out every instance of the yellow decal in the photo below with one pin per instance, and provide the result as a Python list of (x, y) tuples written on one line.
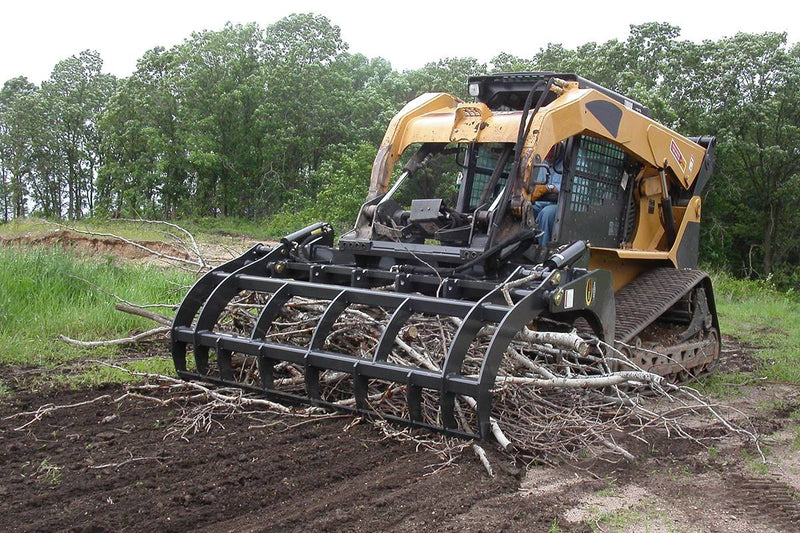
[(591, 289)]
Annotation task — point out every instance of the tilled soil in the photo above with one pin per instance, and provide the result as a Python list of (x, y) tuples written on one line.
[(113, 466), (315, 476)]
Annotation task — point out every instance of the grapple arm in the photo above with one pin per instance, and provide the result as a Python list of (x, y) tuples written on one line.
[(274, 273)]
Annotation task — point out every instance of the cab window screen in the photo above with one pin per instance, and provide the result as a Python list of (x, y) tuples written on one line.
[(486, 158), (598, 170)]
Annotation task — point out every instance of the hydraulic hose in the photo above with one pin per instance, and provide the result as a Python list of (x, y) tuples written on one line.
[(514, 239), (524, 130)]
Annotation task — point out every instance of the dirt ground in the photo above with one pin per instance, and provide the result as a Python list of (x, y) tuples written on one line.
[(115, 466), (108, 466)]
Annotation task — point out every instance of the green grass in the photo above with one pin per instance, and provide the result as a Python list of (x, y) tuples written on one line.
[(759, 316), (641, 517), (48, 473), (724, 384), (40, 298), (97, 374)]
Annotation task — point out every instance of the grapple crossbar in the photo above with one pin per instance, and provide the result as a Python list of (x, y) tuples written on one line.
[(473, 304)]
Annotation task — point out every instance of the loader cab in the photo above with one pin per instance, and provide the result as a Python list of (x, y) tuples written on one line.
[(596, 202), (451, 199)]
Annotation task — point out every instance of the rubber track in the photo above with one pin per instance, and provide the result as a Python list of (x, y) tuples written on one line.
[(642, 301)]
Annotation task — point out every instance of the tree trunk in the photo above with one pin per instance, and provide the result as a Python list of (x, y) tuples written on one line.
[(5, 193), (769, 239)]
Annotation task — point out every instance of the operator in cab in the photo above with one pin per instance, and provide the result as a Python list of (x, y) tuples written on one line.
[(545, 195)]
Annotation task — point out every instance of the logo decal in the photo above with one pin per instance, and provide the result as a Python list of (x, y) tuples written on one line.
[(676, 152), (591, 290)]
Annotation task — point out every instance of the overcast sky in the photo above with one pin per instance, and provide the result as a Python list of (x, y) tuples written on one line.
[(36, 34)]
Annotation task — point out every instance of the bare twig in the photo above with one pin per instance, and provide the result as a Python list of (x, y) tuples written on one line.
[(116, 342), (128, 461), (119, 299), (194, 248), (143, 313), (45, 410)]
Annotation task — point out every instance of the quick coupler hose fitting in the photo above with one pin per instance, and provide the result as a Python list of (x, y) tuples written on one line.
[(566, 257)]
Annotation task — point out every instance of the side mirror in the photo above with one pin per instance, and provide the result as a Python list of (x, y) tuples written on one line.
[(542, 173), (461, 155)]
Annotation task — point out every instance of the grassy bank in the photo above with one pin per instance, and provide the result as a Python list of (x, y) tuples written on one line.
[(207, 230), (758, 316), (42, 297)]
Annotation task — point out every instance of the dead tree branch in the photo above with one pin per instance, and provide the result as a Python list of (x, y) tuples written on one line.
[(116, 342)]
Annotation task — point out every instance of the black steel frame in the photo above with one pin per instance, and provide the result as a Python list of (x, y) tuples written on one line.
[(275, 271)]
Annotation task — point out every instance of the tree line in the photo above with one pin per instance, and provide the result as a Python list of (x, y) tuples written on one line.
[(281, 123)]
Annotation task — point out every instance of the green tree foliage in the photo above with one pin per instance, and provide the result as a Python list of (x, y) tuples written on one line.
[(282, 123), (16, 146), (446, 75), (755, 80), (345, 179), (74, 96)]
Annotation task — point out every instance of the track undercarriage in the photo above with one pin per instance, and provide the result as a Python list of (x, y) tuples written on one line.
[(677, 334)]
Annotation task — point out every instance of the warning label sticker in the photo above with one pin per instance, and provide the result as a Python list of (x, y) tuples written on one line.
[(569, 298), (676, 152)]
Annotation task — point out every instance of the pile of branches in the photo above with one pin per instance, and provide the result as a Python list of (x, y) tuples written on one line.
[(558, 396)]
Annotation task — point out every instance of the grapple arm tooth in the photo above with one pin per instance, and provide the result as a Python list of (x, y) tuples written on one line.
[(224, 362), (359, 387), (414, 401), (391, 330), (328, 319), (311, 377)]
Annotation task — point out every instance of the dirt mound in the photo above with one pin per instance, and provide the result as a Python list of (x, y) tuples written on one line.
[(96, 245)]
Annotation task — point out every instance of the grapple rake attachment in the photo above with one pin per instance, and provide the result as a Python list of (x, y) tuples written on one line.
[(270, 271)]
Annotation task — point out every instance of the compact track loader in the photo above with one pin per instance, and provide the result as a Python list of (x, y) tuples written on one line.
[(454, 235)]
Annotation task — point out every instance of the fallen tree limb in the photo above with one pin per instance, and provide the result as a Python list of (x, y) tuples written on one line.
[(481, 453), (237, 396), (569, 341), (581, 382), (161, 319), (116, 342)]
